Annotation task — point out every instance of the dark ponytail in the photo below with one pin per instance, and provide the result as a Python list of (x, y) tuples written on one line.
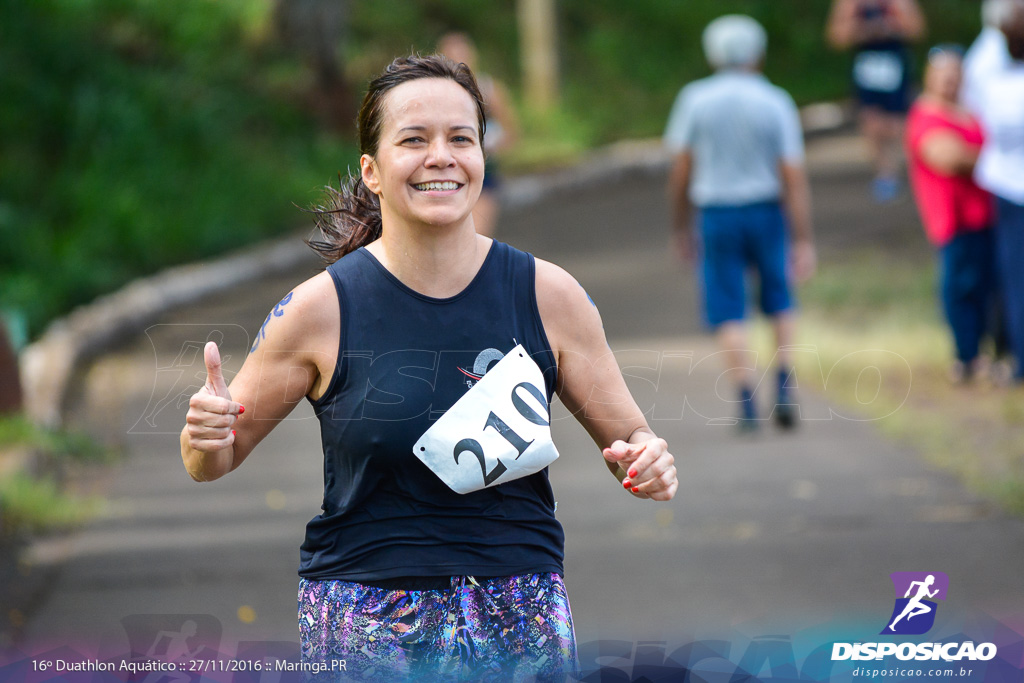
[(349, 217)]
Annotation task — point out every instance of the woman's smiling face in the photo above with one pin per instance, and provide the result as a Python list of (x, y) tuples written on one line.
[(429, 165)]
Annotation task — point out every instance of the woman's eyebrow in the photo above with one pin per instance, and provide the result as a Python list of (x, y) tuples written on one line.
[(417, 128)]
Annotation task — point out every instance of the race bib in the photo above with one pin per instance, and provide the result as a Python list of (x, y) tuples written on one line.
[(880, 71), (498, 431)]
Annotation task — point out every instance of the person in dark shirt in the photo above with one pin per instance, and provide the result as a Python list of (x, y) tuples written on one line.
[(879, 33)]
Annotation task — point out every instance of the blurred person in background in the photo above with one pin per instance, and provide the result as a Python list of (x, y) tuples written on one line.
[(1000, 170), (987, 54), (943, 142), (879, 32), (739, 158), (502, 128)]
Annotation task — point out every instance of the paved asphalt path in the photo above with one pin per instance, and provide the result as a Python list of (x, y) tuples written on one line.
[(772, 534)]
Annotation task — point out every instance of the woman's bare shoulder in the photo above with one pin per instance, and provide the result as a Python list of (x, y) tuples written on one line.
[(304, 319), (567, 311), (556, 287)]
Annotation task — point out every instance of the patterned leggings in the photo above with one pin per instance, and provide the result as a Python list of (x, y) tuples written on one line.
[(512, 628)]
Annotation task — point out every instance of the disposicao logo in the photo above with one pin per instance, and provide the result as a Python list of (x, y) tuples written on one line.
[(913, 614), (915, 608)]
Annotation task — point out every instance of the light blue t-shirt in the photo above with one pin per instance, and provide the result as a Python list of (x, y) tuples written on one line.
[(738, 127)]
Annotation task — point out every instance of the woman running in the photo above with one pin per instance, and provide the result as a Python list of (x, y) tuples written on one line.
[(430, 354)]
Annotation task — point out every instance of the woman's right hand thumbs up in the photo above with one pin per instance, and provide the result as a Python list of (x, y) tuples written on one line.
[(211, 412)]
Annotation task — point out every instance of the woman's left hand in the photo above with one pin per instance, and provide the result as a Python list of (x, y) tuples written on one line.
[(649, 467)]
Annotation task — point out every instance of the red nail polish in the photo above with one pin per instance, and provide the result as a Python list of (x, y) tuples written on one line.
[(626, 483), (632, 473), (232, 432), (636, 489), (241, 409)]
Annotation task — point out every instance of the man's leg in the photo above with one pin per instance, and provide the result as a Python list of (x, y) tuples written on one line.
[(735, 347), (783, 327), (883, 131), (723, 273), (772, 257)]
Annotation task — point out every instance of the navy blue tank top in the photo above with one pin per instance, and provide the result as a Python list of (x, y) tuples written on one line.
[(403, 360)]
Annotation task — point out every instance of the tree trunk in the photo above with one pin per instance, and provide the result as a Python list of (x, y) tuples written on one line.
[(538, 41), (10, 382), (314, 30)]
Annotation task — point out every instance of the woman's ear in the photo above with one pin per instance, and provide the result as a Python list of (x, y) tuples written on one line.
[(368, 170)]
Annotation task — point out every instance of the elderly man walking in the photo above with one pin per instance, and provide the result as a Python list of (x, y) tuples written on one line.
[(739, 160)]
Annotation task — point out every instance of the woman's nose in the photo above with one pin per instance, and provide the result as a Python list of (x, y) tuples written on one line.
[(439, 154)]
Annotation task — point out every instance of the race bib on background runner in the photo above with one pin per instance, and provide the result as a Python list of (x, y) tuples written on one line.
[(880, 71), (498, 431)]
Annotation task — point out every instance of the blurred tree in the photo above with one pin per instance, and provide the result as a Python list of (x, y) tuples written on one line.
[(10, 385), (314, 29), (539, 52)]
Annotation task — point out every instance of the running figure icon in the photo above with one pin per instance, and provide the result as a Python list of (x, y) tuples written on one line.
[(915, 606)]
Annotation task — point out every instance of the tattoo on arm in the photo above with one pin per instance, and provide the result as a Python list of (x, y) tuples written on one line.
[(276, 313), (592, 303)]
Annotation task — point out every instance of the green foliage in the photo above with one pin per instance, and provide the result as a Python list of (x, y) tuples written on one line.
[(28, 504), (35, 502), (644, 51), (384, 29), (55, 445), (869, 285), (864, 305), (138, 139), (623, 63), (136, 134)]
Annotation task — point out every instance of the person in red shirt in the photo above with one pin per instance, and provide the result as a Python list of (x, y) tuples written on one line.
[(943, 141)]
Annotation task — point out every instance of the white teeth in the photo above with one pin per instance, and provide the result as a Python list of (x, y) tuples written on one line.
[(442, 186)]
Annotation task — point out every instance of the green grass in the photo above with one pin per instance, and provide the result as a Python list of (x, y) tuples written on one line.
[(34, 505), (56, 445), (33, 501), (864, 312)]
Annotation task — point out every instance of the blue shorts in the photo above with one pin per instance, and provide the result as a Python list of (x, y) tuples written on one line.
[(736, 239)]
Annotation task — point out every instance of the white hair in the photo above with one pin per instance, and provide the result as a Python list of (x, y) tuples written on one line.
[(995, 12), (734, 40)]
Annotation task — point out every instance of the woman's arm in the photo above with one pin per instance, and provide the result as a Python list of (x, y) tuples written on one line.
[(946, 153), (293, 356), (591, 386), (841, 27), (680, 206), (909, 19), (796, 193)]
